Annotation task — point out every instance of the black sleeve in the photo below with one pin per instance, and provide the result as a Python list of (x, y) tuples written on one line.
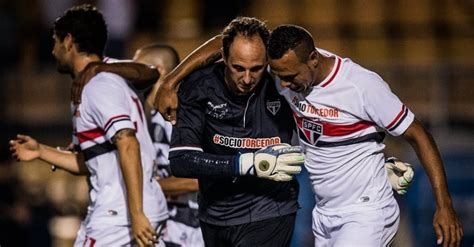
[(188, 132), (191, 113), (196, 164)]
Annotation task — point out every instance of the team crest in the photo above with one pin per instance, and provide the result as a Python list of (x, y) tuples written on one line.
[(308, 130), (273, 106), (311, 130)]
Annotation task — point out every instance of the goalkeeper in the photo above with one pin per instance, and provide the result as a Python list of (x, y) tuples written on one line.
[(231, 127)]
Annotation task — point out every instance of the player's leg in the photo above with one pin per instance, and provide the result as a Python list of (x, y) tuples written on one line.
[(272, 232), (182, 228), (182, 234), (113, 236), (104, 236), (321, 238), (392, 221), (368, 228), (214, 236)]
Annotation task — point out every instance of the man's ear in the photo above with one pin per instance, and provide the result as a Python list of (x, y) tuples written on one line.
[(222, 55), (68, 42), (313, 58)]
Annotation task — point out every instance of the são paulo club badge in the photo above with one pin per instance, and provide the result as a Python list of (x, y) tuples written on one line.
[(273, 106), (308, 130)]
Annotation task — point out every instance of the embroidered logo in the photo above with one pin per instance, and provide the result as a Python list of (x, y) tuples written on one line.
[(312, 130), (217, 111), (273, 106), (308, 130)]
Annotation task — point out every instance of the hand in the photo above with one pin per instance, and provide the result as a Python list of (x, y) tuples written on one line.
[(277, 162), (142, 231), (82, 79), (448, 227), (24, 148), (400, 174), (166, 100)]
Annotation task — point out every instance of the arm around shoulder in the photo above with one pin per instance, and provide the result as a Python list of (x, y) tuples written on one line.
[(166, 99)]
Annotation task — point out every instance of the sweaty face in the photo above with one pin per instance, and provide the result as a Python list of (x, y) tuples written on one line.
[(245, 64), (295, 75), (59, 53)]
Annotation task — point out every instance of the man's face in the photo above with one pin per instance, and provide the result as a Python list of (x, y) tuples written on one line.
[(295, 75), (59, 53), (245, 64)]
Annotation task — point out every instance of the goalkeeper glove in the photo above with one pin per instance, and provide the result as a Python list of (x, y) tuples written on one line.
[(276, 162), (400, 174)]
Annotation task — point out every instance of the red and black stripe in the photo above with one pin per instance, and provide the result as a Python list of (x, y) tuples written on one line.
[(398, 119)]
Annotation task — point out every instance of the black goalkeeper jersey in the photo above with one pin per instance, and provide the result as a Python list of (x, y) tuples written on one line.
[(212, 118)]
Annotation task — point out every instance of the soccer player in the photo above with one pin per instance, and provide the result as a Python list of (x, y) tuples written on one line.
[(182, 228), (348, 108), (127, 206), (229, 112), (341, 127)]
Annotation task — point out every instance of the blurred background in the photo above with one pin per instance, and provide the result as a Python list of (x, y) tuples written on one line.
[(424, 49)]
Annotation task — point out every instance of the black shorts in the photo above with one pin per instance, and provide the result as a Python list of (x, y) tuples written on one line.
[(272, 232)]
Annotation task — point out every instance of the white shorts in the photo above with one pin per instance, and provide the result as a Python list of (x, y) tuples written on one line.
[(183, 235), (111, 236), (366, 228)]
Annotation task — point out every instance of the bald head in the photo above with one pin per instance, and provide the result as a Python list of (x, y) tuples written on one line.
[(161, 56)]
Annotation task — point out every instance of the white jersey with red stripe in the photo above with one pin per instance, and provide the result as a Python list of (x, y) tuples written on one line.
[(341, 124), (107, 106)]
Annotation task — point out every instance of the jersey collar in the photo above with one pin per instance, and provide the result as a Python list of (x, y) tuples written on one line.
[(335, 69)]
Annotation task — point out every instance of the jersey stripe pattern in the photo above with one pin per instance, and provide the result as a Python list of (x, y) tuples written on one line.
[(107, 106), (342, 122)]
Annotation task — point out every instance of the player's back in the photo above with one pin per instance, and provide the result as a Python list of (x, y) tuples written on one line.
[(108, 106)]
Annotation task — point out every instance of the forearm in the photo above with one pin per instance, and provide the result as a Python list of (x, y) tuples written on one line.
[(195, 164), (130, 165), (429, 156), (202, 56), (173, 186), (140, 75), (66, 160)]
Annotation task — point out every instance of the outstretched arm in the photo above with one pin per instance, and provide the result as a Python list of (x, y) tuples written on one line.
[(141, 75), (276, 162), (447, 225), (173, 186), (166, 99), (25, 148), (130, 164)]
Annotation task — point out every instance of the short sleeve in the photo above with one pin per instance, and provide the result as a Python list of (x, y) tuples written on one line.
[(190, 116), (383, 106), (106, 102)]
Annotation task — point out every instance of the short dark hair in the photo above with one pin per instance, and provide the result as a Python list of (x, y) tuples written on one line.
[(290, 37), (168, 52), (87, 27), (245, 26)]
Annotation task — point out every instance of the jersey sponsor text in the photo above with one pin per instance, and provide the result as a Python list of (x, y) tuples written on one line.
[(310, 109), (248, 143)]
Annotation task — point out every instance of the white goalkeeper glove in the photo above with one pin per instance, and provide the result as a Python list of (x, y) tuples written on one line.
[(277, 162), (400, 174)]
